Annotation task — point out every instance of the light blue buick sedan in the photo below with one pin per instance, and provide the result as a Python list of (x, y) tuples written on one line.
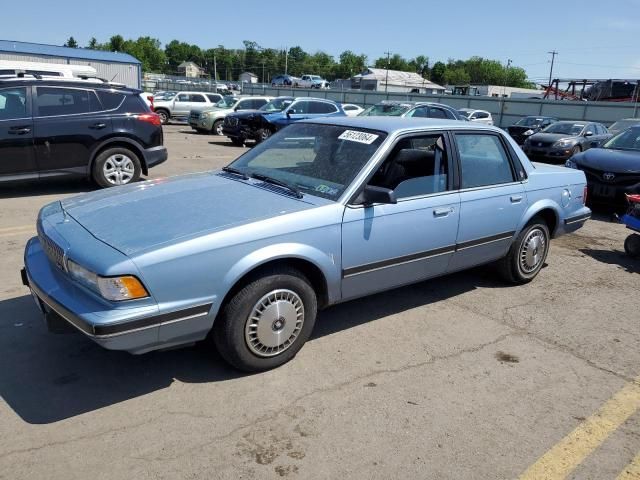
[(323, 212)]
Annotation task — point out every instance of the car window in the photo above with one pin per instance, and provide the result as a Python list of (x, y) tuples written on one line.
[(245, 105), (300, 107), (195, 97), (13, 103), (213, 98), (483, 160), (110, 100), (52, 101), (322, 107), (482, 115), (416, 166), (418, 112), (348, 108), (183, 97), (435, 112), (258, 102)]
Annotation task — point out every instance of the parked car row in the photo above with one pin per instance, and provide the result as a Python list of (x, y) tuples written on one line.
[(305, 81)]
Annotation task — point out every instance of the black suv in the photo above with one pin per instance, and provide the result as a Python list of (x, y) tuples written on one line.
[(86, 128)]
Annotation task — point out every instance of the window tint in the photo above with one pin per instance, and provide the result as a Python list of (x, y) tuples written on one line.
[(416, 166), (348, 108), (110, 100), (258, 102), (183, 97), (420, 112), (435, 112), (245, 105), (53, 101), (214, 98), (482, 115), (483, 160), (321, 107), (13, 103), (196, 98), (300, 107)]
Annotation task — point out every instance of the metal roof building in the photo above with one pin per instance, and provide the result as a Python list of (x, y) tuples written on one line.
[(113, 66), (394, 81)]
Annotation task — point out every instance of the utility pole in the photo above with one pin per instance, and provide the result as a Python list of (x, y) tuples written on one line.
[(286, 60), (553, 54), (215, 73), (263, 72), (386, 80)]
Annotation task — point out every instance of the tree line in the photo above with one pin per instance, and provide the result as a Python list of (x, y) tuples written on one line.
[(265, 62)]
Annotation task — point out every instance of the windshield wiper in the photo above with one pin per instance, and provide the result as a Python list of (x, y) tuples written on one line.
[(235, 171), (280, 183)]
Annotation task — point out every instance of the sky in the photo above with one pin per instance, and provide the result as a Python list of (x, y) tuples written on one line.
[(594, 39)]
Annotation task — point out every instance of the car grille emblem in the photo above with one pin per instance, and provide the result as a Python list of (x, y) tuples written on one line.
[(539, 144), (608, 176)]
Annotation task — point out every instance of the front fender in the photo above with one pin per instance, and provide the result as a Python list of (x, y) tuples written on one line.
[(536, 208), (327, 263)]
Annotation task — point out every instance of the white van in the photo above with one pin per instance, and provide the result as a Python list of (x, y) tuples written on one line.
[(11, 69)]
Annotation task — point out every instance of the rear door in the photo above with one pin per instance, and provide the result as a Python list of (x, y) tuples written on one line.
[(68, 122), (492, 198), (16, 133)]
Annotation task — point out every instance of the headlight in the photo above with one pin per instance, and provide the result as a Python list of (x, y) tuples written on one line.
[(204, 115), (529, 132), (126, 287), (563, 143), (570, 164)]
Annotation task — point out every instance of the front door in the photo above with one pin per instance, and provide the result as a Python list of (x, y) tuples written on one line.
[(17, 159), (68, 123), (385, 246), (492, 199)]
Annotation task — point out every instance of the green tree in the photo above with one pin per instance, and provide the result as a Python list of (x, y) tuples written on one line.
[(93, 44), (456, 76), (71, 42), (349, 64), (396, 62), (420, 65), (437, 73)]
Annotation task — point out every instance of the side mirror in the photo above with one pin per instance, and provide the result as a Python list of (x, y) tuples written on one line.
[(290, 112), (372, 194), (588, 134)]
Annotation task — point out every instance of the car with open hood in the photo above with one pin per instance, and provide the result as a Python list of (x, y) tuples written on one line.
[(527, 126), (322, 212), (562, 140), (612, 171)]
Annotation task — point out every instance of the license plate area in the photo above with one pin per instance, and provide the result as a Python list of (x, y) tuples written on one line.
[(603, 191)]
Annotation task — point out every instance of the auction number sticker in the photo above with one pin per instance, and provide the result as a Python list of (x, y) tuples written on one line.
[(360, 137)]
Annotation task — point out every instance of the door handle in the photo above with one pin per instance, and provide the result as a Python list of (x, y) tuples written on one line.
[(442, 212), (97, 126), (516, 198), (19, 130)]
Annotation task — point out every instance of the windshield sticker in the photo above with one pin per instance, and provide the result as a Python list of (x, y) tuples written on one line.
[(360, 137), (326, 189)]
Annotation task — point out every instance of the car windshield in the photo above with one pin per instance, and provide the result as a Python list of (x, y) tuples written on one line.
[(627, 140), (386, 110), (319, 160), (565, 128), (622, 124), (277, 105), (529, 122), (226, 102), (314, 77)]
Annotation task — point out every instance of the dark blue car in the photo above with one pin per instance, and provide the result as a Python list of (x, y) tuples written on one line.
[(260, 124)]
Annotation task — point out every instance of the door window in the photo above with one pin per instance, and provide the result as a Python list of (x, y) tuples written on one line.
[(213, 98), (321, 107), (259, 102), (416, 166), (245, 105), (483, 160), (435, 112), (300, 107), (13, 103), (196, 97), (419, 112), (53, 101), (183, 97)]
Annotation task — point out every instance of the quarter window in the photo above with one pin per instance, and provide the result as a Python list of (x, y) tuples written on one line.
[(483, 160), (110, 100), (13, 103), (321, 107), (437, 113), (52, 101), (196, 98), (213, 98)]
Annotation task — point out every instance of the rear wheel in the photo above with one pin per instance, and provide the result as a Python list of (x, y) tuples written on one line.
[(217, 127), (262, 134), (267, 322), (632, 245), (164, 116), (116, 166), (527, 253)]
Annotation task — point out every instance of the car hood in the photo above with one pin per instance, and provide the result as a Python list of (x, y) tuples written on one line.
[(138, 217), (609, 160), (551, 137), (521, 128), (247, 113)]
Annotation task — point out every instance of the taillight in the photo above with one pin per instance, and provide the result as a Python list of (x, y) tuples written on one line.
[(150, 98), (584, 195), (152, 118)]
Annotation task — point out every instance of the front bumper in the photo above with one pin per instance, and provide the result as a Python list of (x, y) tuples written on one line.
[(200, 123), (549, 154), (608, 193), (155, 156), (126, 326)]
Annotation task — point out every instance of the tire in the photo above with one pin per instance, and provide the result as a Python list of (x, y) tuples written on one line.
[(238, 142), (525, 260), (575, 150), (262, 134), (632, 245), (116, 166), (217, 127), (164, 116), (267, 321)]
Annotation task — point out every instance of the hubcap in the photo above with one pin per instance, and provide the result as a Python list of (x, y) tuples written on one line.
[(118, 169), (533, 250), (218, 128), (274, 323)]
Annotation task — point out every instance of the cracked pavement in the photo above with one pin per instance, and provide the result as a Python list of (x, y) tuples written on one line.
[(457, 377)]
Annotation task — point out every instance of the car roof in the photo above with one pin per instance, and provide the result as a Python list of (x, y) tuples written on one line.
[(67, 82), (399, 124)]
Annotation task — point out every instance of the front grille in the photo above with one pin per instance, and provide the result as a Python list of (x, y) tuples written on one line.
[(536, 144), (619, 179), (195, 115), (51, 249), (231, 121)]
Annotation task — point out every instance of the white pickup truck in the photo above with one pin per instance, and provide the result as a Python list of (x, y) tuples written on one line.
[(311, 81)]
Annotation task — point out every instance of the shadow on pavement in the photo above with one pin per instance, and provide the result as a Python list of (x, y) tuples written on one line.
[(46, 378), (46, 187), (613, 257)]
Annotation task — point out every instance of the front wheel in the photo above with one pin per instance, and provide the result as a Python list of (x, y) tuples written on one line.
[(576, 150), (116, 166), (262, 135), (527, 253), (267, 322), (632, 245), (217, 127)]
